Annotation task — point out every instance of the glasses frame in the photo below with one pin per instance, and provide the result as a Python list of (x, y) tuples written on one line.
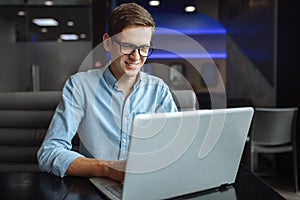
[(122, 44)]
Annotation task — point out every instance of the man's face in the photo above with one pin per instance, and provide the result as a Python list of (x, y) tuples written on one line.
[(131, 36)]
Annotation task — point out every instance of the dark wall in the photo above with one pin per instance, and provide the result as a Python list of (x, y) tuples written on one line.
[(252, 25), (251, 65), (288, 71), (288, 82)]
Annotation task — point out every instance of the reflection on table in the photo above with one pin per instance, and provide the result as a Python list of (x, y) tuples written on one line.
[(29, 185)]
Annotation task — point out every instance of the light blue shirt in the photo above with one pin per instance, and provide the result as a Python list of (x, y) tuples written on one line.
[(93, 106)]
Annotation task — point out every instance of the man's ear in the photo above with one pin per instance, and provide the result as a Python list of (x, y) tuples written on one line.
[(106, 42)]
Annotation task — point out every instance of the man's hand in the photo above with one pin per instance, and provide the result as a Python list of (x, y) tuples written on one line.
[(116, 169), (81, 166)]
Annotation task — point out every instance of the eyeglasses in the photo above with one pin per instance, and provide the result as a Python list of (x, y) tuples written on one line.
[(127, 48)]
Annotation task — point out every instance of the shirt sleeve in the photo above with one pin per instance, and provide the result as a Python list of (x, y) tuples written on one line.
[(167, 102), (55, 154)]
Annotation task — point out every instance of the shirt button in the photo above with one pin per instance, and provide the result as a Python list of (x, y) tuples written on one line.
[(124, 141)]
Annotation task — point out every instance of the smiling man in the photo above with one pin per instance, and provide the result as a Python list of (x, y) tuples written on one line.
[(100, 104)]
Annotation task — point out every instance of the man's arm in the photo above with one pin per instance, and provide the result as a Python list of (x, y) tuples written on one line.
[(55, 154), (89, 167)]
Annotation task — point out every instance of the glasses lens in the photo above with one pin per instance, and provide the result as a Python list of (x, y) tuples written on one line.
[(127, 48), (145, 51)]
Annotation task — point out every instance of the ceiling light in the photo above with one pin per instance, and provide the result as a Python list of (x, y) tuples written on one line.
[(48, 3), (82, 36), (70, 23), (189, 8), (21, 13), (45, 22), (69, 36), (44, 30), (154, 3)]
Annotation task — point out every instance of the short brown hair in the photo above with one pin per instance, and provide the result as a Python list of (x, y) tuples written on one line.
[(128, 14)]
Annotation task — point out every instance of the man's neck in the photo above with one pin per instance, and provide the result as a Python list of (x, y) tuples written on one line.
[(126, 84)]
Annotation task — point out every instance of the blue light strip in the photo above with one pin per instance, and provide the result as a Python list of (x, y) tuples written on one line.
[(187, 55), (194, 31)]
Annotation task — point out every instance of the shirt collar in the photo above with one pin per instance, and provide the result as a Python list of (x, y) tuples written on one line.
[(109, 77)]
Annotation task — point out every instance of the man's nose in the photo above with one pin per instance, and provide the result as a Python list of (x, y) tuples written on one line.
[(135, 54)]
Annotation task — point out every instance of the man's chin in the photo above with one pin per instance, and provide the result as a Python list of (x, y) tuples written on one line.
[(131, 73)]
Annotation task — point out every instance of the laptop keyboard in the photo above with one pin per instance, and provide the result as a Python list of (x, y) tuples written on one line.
[(115, 189)]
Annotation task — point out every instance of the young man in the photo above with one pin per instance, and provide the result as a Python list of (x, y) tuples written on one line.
[(100, 104)]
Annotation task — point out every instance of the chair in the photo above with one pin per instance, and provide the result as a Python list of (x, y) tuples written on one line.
[(273, 131), (185, 99), (24, 119)]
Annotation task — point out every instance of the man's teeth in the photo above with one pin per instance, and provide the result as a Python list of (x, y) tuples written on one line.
[(132, 64)]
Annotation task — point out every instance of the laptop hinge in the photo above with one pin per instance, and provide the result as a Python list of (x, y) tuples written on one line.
[(225, 187)]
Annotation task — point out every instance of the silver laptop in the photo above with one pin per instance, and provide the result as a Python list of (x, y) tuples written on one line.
[(174, 154)]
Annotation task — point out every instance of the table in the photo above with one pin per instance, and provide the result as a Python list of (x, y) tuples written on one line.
[(39, 185)]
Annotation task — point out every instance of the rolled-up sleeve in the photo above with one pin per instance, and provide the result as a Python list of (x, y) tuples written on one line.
[(55, 154)]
